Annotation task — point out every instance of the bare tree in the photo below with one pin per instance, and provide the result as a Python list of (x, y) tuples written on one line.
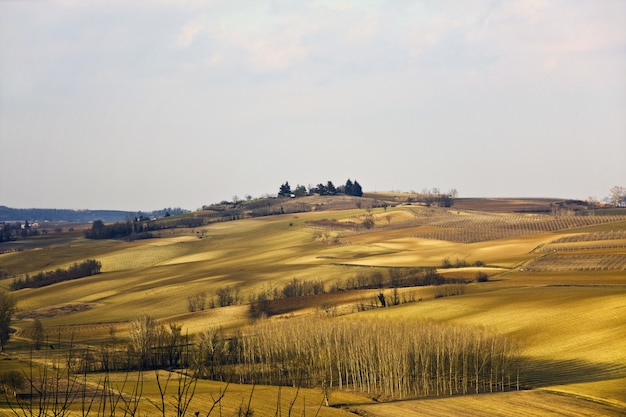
[(7, 308), (143, 335), (618, 196), (38, 334)]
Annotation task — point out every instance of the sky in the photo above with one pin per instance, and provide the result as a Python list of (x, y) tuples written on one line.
[(168, 103)]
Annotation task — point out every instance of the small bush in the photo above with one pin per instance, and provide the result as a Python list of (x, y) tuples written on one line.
[(482, 277)]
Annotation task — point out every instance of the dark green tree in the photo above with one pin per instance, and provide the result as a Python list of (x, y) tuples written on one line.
[(330, 188), (348, 187), (285, 190), (357, 191)]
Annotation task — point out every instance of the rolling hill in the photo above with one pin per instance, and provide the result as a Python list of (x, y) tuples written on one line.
[(553, 280)]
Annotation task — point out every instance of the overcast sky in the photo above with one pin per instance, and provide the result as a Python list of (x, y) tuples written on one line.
[(149, 104)]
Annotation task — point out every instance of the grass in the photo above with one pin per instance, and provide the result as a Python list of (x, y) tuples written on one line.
[(572, 322)]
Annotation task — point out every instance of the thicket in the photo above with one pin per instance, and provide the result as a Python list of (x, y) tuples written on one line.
[(86, 268)]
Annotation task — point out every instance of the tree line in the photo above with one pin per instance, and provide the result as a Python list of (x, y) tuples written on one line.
[(267, 303), (86, 268), (139, 228), (350, 187)]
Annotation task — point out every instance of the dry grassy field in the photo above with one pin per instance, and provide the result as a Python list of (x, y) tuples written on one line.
[(555, 283)]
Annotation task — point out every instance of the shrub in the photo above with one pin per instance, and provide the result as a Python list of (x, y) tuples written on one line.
[(482, 277)]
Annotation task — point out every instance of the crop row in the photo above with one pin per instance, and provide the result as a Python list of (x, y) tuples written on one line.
[(559, 262), (482, 228), (591, 237), (591, 246)]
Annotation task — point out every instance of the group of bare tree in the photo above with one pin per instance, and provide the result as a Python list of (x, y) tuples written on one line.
[(390, 359), (150, 345)]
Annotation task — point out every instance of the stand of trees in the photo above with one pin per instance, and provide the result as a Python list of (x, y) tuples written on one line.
[(352, 188), (111, 231), (435, 196), (395, 359), (77, 270)]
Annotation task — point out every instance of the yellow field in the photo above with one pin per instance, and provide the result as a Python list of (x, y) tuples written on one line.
[(572, 322), (510, 404)]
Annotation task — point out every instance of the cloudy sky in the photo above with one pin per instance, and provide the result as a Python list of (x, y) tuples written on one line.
[(165, 103)]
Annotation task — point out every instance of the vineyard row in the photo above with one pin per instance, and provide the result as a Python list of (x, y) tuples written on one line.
[(564, 263)]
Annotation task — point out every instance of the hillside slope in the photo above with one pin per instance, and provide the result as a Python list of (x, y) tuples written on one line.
[(556, 283)]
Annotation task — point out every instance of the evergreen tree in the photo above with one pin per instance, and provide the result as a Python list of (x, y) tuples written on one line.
[(321, 189), (348, 187), (330, 188), (285, 190), (357, 191)]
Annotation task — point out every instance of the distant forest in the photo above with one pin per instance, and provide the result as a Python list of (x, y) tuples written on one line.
[(8, 214)]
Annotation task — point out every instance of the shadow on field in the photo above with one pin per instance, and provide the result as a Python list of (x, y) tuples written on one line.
[(543, 373)]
